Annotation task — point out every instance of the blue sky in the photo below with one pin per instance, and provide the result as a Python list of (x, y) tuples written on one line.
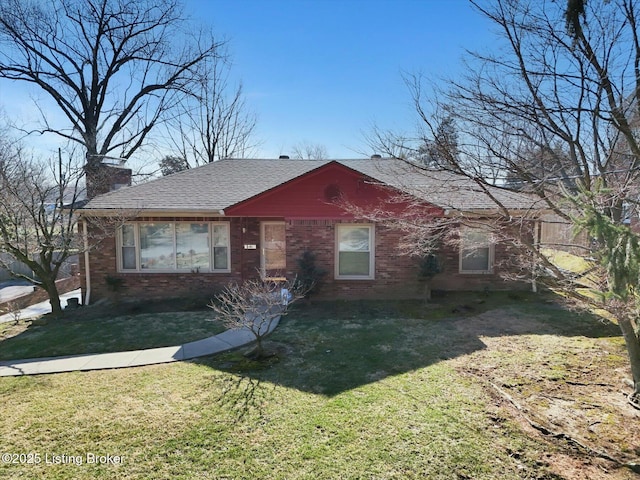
[(319, 71), (324, 71)]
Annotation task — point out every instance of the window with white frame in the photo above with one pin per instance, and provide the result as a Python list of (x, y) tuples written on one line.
[(128, 247), (354, 252), (476, 251), (174, 246)]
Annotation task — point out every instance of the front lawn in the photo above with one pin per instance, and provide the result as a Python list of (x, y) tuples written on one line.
[(76, 334), (357, 390)]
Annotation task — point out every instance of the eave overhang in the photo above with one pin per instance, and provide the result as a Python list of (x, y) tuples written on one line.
[(149, 212)]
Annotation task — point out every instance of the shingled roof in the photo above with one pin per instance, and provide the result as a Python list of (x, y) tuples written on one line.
[(217, 186), (447, 190)]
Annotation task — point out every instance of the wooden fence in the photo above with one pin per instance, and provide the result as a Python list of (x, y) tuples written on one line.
[(560, 235)]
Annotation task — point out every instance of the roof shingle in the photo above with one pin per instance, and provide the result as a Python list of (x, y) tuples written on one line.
[(219, 185)]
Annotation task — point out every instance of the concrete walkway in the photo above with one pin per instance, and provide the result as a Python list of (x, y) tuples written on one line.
[(222, 342), (38, 309), (11, 290)]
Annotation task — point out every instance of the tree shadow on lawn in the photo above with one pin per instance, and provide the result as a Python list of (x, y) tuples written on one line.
[(330, 347), (106, 328)]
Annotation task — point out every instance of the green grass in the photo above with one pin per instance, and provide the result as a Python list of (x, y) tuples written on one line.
[(71, 336), (356, 390), (574, 264), (175, 422)]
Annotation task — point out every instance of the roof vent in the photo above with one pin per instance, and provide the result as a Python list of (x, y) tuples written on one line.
[(283, 157), (332, 192), (376, 156)]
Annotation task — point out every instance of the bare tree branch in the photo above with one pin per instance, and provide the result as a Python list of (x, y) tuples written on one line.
[(554, 113), (38, 215), (309, 151), (214, 122), (114, 69), (255, 305)]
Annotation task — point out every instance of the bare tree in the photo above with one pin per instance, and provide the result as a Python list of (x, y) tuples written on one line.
[(564, 87), (39, 202), (214, 122), (37, 216), (309, 151), (113, 68), (254, 305)]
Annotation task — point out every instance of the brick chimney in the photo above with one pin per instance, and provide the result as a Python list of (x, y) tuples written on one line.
[(105, 177)]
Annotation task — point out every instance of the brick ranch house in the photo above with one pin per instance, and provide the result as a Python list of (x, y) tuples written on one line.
[(193, 232)]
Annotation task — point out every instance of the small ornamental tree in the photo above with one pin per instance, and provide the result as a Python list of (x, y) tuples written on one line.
[(255, 305)]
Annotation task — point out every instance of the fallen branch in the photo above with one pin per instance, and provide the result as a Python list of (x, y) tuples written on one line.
[(550, 433), (582, 384), (633, 466), (632, 402)]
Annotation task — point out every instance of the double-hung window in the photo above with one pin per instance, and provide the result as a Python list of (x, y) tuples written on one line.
[(128, 247), (355, 252), (174, 246), (476, 251)]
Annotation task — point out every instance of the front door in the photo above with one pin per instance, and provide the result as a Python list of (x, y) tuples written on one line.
[(273, 259)]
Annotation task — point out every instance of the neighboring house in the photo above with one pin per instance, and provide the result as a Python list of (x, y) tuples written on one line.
[(13, 266), (193, 232)]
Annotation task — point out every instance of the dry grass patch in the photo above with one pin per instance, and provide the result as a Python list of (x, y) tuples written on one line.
[(571, 385)]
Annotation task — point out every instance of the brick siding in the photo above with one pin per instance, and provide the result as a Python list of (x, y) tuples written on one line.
[(108, 283), (396, 276)]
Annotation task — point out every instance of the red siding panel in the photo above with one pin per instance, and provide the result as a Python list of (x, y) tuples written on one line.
[(319, 194)]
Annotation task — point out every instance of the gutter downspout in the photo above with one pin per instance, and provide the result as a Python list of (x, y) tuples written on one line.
[(87, 272)]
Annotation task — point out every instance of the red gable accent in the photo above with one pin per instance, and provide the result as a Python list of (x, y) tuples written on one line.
[(318, 194)]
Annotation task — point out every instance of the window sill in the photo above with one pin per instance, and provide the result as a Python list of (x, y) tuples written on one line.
[(354, 278)]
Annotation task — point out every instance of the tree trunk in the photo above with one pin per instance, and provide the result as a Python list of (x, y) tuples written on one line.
[(54, 297), (257, 352), (633, 349)]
